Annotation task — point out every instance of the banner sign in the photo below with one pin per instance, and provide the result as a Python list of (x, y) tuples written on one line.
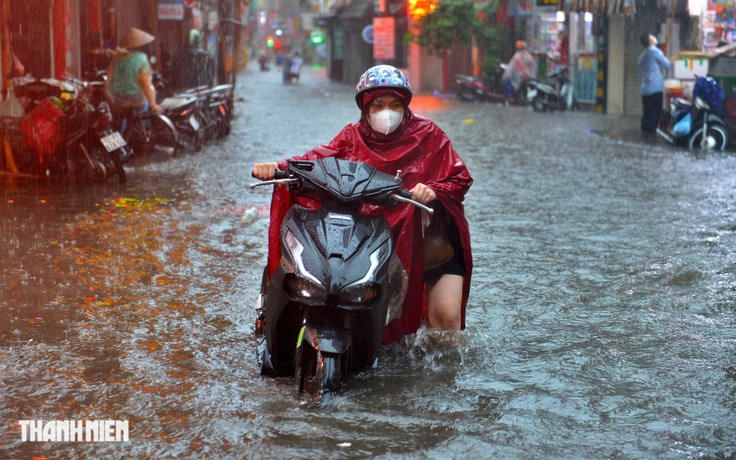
[(171, 9), (383, 38)]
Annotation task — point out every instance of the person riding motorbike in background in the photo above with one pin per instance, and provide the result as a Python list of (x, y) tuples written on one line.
[(391, 138), (129, 77), (521, 67)]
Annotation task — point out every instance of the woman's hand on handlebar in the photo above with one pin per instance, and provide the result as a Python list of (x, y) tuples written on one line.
[(423, 194), (265, 171)]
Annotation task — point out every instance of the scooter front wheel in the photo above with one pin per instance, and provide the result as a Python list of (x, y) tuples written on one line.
[(317, 372), (328, 373), (715, 139)]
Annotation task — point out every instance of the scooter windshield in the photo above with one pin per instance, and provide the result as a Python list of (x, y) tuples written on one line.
[(344, 179)]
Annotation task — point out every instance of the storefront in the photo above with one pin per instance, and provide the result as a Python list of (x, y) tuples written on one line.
[(558, 38), (706, 35)]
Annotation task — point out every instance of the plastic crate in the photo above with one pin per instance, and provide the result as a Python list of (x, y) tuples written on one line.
[(41, 128)]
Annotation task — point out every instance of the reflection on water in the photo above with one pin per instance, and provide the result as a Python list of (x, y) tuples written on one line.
[(601, 320)]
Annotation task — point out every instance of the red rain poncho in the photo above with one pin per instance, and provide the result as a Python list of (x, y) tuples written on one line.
[(424, 154)]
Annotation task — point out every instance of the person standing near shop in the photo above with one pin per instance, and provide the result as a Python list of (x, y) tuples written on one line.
[(129, 77), (652, 65)]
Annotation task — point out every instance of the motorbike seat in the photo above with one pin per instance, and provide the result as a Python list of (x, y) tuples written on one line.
[(176, 103), (219, 88), (680, 103)]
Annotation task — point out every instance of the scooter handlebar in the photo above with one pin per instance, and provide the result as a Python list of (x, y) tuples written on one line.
[(405, 196), (282, 177)]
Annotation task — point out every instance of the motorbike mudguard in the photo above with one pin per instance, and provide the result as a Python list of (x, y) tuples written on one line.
[(545, 88), (713, 118), (167, 121), (337, 341)]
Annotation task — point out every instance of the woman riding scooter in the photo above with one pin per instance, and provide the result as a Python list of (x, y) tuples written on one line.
[(394, 140)]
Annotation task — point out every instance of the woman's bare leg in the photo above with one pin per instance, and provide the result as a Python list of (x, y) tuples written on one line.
[(444, 302)]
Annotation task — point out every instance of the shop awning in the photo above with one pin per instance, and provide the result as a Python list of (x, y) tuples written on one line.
[(600, 7), (351, 9)]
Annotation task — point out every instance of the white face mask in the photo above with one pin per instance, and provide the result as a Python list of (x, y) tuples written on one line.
[(386, 121)]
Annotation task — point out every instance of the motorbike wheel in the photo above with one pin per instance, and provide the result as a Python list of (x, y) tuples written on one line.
[(150, 134), (117, 162), (224, 126), (306, 358), (328, 373), (95, 164), (465, 95), (538, 105), (198, 141), (717, 138), (316, 372)]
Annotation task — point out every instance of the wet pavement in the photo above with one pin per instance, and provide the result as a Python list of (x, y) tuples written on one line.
[(600, 324)]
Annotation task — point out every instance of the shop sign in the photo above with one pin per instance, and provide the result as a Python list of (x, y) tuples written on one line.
[(543, 3), (213, 19), (383, 38), (367, 34), (171, 9)]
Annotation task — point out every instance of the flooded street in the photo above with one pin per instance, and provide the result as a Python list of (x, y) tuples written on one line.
[(601, 321)]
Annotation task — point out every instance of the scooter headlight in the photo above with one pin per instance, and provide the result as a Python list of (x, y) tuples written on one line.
[(304, 290), (301, 285), (364, 292), (362, 295)]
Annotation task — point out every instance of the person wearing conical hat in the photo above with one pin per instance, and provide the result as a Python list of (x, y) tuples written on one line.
[(129, 76)]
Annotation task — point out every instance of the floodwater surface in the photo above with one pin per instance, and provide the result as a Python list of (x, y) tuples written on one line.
[(601, 321)]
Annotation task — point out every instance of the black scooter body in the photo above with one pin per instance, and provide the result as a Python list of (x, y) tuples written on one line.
[(339, 251)]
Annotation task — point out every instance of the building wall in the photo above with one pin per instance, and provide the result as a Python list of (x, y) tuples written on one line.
[(623, 86), (646, 20), (358, 53), (616, 76), (431, 69), (30, 31)]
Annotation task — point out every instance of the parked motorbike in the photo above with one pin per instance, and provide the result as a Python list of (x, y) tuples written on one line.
[(322, 313), (144, 132), (221, 106), (101, 133), (470, 88), (699, 124), (200, 114), (69, 135), (184, 112), (555, 93)]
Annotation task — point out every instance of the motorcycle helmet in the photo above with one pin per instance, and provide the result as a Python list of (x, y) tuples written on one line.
[(195, 37), (520, 44), (382, 76)]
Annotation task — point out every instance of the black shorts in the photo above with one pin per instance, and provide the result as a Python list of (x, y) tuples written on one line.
[(454, 266)]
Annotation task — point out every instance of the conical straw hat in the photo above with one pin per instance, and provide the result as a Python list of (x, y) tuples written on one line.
[(135, 38)]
